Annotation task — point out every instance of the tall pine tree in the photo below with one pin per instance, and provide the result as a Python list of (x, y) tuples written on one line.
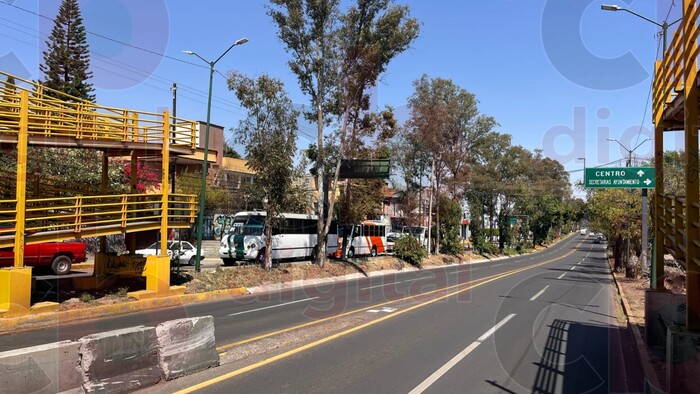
[(67, 58)]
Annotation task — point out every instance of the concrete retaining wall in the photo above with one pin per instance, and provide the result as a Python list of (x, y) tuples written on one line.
[(48, 368), (115, 361)]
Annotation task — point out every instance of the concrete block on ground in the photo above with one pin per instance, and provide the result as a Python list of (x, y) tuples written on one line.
[(47, 368), (661, 310), (120, 361), (186, 346), (682, 361)]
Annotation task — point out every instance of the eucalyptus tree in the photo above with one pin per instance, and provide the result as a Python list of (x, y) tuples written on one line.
[(268, 135), (337, 57), (445, 119)]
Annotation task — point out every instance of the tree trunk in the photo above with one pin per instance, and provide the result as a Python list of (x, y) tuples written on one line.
[(320, 173), (617, 253), (268, 243)]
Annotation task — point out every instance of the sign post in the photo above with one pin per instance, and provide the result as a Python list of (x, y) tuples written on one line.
[(620, 178)]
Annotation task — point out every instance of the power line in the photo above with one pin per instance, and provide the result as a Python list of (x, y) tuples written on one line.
[(598, 166), (152, 52), (157, 78)]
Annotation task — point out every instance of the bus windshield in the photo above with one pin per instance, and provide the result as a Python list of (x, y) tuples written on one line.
[(251, 230)]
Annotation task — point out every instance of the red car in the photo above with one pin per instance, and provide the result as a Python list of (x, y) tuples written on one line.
[(60, 256)]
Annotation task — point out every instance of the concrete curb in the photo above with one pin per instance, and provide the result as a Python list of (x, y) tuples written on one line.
[(30, 322), (311, 282), (649, 372)]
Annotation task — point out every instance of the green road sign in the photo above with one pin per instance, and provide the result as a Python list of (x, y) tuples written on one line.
[(512, 220), (621, 177)]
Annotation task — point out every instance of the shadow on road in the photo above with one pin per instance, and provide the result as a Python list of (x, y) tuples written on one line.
[(587, 358)]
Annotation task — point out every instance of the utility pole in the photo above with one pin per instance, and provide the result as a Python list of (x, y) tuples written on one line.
[(172, 171)]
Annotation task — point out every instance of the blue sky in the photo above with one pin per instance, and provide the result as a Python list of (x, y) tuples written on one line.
[(558, 75)]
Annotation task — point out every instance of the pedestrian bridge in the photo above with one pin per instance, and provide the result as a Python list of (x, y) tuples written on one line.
[(56, 210)]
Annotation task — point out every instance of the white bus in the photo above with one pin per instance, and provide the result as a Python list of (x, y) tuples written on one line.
[(293, 238), (367, 238)]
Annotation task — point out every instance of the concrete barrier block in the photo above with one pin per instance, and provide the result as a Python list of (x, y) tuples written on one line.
[(47, 368), (120, 361), (682, 361), (186, 346)]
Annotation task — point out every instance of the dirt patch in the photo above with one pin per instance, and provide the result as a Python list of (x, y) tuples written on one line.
[(253, 275), (633, 293), (235, 277)]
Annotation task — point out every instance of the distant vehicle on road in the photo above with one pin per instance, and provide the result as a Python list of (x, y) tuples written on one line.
[(187, 252), (60, 256), (583, 231)]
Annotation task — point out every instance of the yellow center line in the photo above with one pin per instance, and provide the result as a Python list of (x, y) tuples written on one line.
[(360, 327), (273, 333)]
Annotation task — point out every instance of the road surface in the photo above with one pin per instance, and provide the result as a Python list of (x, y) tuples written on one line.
[(542, 323)]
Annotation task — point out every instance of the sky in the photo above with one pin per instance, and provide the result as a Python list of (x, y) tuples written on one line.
[(557, 75)]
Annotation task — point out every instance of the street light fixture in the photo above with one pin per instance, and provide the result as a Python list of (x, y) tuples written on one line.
[(202, 196), (629, 151), (584, 169), (664, 26)]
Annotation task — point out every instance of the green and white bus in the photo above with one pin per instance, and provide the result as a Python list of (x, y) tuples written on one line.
[(293, 238)]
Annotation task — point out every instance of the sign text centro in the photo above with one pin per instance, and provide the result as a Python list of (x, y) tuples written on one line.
[(620, 177)]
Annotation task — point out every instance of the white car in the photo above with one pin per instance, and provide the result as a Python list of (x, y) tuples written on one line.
[(186, 250)]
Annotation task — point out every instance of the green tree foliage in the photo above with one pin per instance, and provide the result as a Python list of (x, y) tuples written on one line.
[(216, 199), (363, 199), (450, 221), (229, 151), (269, 135), (445, 120), (67, 58), (337, 57), (408, 249), (617, 213)]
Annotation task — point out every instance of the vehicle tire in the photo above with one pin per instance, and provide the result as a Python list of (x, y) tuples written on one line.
[(193, 260), (229, 262), (61, 265), (313, 255), (373, 253), (351, 252), (260, 258)]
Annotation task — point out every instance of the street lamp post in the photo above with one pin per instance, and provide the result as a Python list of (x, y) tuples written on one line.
[(659, 142), (202, 196), (664, 26), (645, 218)]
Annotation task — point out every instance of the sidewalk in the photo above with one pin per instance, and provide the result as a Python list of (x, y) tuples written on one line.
[(638, 365)]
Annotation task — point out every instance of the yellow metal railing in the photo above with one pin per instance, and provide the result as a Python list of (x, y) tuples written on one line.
[(74, 118), (670, 71), (77, 215), (672, 225)]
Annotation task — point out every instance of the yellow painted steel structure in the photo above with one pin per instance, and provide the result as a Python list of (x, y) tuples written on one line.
[(31, 114), (675, 108)]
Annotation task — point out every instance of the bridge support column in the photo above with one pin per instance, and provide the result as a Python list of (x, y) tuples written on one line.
[(15, 291), (692, 189), (157, 273), (16, 283), (657, 266)]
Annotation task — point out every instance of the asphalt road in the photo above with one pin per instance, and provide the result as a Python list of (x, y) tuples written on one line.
[(247, 316), (550, 328), (536, 323)]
